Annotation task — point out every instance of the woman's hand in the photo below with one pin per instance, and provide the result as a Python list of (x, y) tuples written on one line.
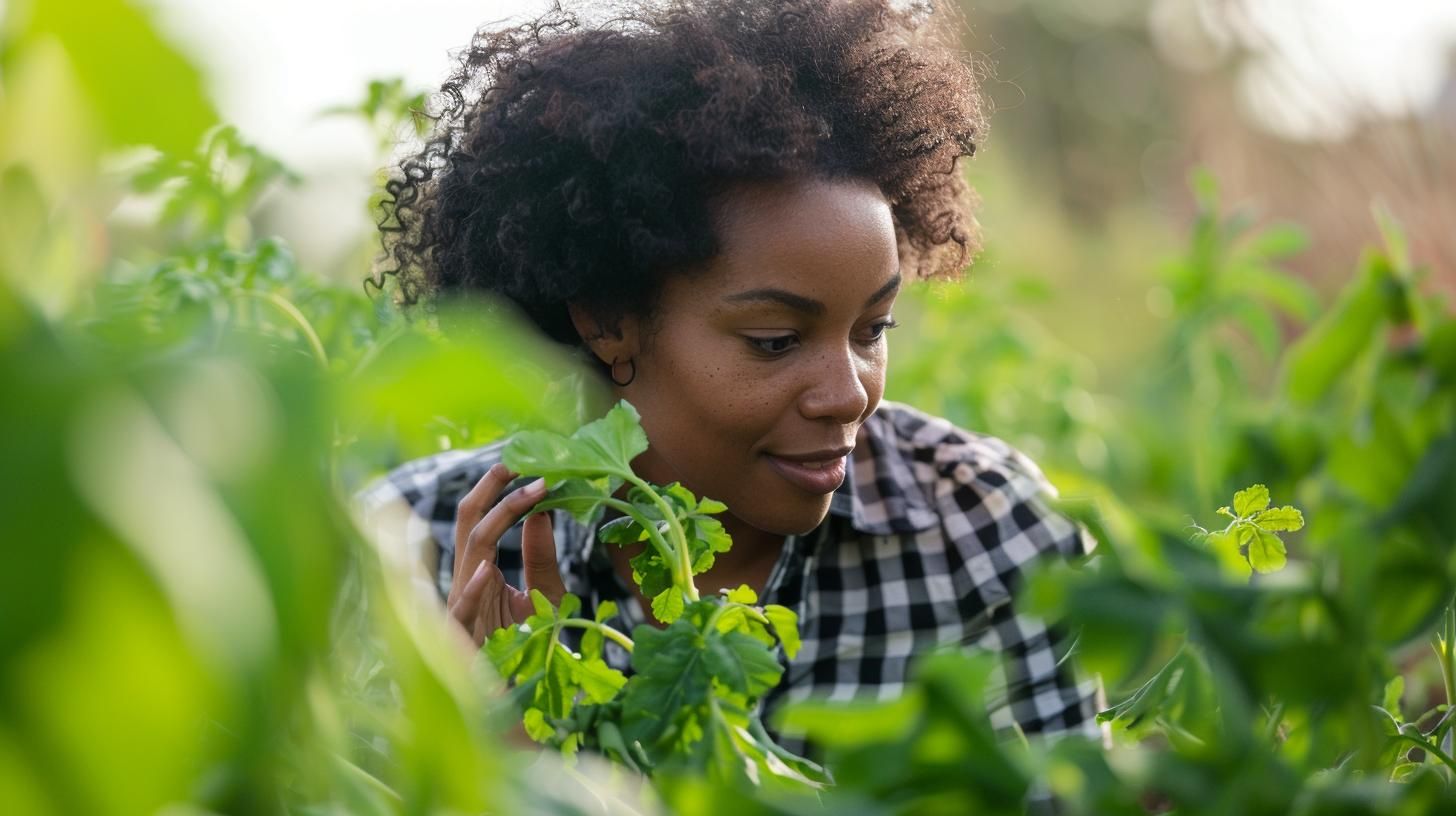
[(480, 600)]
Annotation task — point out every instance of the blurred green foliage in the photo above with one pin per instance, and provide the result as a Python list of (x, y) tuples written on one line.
[(190, 618)]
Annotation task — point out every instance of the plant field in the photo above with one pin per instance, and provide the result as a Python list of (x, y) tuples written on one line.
[(193, 621)]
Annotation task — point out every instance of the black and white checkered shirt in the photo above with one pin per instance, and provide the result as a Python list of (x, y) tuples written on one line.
[(925, 545)]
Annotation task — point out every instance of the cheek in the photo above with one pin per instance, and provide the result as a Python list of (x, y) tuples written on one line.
[(707, 392)]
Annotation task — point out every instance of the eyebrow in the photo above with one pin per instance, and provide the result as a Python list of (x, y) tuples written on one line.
[(799, 303)]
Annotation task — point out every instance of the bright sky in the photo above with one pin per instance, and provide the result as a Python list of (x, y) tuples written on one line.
[(275, 63), (1324, 60)]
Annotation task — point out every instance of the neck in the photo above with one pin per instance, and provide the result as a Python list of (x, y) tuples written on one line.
[(752, 556)]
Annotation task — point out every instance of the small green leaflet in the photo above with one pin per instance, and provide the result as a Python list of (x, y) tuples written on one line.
[(598, 449), (1253, 530), (667, 605), (786, 626), (741, 663), (694, 692), (1279, 518), (1251, 500), (1265, 550), (533, 657)]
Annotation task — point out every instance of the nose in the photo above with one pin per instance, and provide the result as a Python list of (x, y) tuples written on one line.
[(839, 387)]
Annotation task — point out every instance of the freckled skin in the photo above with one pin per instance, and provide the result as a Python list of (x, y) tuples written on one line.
[(713, 405)]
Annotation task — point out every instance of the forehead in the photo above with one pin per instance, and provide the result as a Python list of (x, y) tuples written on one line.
[(810, 234)]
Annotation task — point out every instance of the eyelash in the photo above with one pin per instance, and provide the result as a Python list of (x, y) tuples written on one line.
[(755, 342)]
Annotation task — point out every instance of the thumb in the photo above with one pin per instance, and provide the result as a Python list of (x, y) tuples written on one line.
[(538, 556)]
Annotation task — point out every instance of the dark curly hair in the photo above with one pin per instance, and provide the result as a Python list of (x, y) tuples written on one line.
[(577, 163)]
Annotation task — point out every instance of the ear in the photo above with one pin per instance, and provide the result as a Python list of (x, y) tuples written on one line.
[(620, 341)]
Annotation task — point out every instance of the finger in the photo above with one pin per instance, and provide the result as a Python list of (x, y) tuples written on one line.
[(538, 556), (480, 544), (466, 607), (473, 505), (518, 604)]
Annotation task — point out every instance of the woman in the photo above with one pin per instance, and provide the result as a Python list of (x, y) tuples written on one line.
[(717, 203)]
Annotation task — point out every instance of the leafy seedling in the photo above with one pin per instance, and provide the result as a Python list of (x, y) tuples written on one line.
[(691, 702)]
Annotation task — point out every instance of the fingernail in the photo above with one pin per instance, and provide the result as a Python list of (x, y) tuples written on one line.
[(536, 488), (479, 570)]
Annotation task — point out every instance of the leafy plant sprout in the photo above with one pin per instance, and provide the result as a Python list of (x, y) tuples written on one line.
[(1252, 531), (693, 697)]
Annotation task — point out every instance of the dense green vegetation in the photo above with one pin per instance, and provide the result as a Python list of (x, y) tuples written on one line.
[(190, 617)]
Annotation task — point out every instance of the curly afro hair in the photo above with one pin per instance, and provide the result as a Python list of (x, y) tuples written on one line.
[(575, 162)]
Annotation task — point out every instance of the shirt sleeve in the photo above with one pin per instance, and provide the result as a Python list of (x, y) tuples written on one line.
[(387, 514), (1003, 528)]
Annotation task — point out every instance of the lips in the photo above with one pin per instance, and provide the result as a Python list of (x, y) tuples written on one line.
[(817, 476)]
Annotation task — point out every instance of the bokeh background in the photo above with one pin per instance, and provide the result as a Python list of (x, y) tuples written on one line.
[(1307, 110), (1220, 250)]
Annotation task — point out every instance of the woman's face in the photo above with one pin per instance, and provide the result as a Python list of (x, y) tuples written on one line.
[(755, 374)]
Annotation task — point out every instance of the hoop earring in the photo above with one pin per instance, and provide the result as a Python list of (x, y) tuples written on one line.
[(631, 361)]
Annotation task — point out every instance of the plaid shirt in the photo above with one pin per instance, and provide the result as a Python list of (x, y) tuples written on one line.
[(925, 545)]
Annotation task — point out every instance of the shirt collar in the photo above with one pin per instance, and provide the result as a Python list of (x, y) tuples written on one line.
[(880, 494)]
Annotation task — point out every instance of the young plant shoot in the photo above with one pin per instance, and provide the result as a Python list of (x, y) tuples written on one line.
[(692, 700)]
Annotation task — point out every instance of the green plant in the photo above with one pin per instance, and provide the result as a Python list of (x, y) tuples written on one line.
[(691, 701)]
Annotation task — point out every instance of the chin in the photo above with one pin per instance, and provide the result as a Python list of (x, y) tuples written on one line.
[(797, 518)]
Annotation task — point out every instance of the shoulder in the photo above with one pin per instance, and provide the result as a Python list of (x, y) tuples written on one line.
[(991, 503)]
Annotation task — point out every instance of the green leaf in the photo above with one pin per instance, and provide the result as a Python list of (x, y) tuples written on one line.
[(542, 606), (606, 610), (516, 652), (1280, 518), (1266, 551), (606, 446), (854, 723), (1393, 691), (536, 726), (670, 681), (570, 605), (1251, 500), (592, 643), (556, 691), (1280, 241), (667, 605), (1318, 359), (618, 437), (599, 682), (556, 457), (706, 538), (786, 626), (580, 497), (710, 507), (744, 594), (142, 90), (651, 573), (624, 530), (741, 663)]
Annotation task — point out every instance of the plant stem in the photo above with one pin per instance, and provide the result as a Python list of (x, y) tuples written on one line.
[(1448, 660), (285, 306), (1430, 749), (628, 509), (684, 566), (607, 631)]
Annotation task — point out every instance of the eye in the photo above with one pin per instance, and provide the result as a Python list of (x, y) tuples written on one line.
[(877, 330), (772, 346)]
